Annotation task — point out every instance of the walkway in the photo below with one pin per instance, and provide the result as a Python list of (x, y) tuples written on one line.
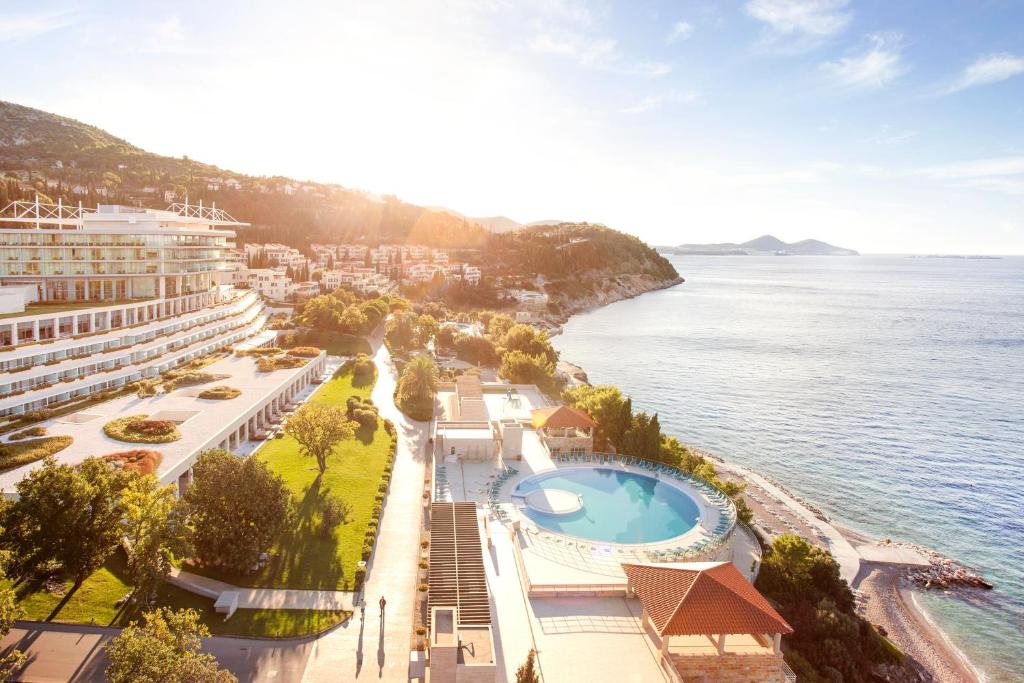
[(368, 647), (263, 598)]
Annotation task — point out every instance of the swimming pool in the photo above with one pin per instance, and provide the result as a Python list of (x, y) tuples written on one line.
[(617, 506)]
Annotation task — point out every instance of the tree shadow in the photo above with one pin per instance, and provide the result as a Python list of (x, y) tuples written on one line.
[(366, 433)]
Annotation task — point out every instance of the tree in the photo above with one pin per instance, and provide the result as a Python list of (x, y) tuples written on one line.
[(155, 530), (71, 516), (426, 327), (521, 368), (419, 379), (475, 350), (319, 428), (401, 331), (526, 672), (236, 508), (612, 412), (530, 341), (164, 650), (643, 437), (10, 611)]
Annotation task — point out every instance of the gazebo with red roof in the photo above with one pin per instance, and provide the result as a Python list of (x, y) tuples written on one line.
[(564, 429), (710, 621)]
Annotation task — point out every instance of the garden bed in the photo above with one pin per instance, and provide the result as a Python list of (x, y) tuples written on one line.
[(139, 460), (139, 429), (24, 452), (219, 393)]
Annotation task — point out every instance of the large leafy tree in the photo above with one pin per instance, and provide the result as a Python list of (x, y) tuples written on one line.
[(155, 529), (318, 429), (522, 368), (166, 649), (612, 412), (10, 611), (71, 516), (529, 340), (401, 331), (236, 508)]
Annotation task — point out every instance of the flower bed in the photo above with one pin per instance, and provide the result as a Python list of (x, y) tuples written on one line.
[(176, 379), (220, 393), (138, 460), (138, 429), (262, 351)]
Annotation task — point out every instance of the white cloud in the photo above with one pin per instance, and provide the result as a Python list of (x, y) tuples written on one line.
[(880, 65), (655, 101), (809, 17), (16, 27), (977, 168), (988, 69), (595, 52), (681, 30)]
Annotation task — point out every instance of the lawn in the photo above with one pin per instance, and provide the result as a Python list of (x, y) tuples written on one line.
[(303, 558), (95, 603)]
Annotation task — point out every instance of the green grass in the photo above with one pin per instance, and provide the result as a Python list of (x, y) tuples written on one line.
[(95, 603), (303, 558), (20, 453)]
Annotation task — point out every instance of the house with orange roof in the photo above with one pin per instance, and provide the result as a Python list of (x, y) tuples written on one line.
[(564, 430), (709, 623)]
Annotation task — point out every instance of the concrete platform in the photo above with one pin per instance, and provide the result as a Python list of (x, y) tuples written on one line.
[(554, 501)]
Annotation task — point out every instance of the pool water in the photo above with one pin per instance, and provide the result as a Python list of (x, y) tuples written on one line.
[(618, 507)]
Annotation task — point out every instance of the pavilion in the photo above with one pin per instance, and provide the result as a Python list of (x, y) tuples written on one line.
[(709, 622)]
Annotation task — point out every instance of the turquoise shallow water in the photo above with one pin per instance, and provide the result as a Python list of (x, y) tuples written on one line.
[(890, 390), (618, 507)]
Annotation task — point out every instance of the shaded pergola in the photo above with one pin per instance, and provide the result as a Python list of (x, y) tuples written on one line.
[(707, 607), (564, 428)]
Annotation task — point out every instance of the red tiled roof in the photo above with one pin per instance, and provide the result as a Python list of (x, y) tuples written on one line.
[(702, 599), (560, 417)]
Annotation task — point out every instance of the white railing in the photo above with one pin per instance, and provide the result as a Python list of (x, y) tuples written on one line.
[(39, 212), (208, 213)]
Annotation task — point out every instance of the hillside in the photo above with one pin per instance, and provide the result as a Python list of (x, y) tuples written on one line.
[(765, 244), (579, 265), (63, 158)]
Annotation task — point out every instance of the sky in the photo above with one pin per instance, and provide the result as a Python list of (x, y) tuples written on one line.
[(887, 127)]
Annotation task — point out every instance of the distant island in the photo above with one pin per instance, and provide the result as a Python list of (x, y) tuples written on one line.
[(764, 245)]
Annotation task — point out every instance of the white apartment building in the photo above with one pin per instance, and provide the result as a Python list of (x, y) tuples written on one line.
[(529, 301), (271, 283), (278, 254), (360, 279)]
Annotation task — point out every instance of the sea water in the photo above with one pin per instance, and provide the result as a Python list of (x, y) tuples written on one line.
[(888, 390)]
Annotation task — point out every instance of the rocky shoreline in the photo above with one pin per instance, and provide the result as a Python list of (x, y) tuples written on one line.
[(619, 288)]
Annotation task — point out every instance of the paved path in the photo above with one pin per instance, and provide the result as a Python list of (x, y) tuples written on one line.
[(58, 653), (263, 598), (368, 647)]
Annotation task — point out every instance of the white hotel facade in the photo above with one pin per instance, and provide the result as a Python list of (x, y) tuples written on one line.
[(94, 299)]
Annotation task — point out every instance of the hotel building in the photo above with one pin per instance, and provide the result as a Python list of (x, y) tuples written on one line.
[(91, 299)]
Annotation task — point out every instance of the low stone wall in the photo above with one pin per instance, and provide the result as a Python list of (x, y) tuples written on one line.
[(730, 668)]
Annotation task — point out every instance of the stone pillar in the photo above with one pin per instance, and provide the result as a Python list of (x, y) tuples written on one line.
[(721, 644), (35, 330), (777, 643)]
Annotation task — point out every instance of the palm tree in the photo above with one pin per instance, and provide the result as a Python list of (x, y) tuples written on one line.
[(419, 379)]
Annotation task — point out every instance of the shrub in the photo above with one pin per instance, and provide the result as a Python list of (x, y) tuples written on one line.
[(266, 365), (304, 352), (37, 415), (366, 418), (177, 380), (363, 366), (220, 393), (137, 429), (28, 433), (139, 460), (269, 364), (360, 578)]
